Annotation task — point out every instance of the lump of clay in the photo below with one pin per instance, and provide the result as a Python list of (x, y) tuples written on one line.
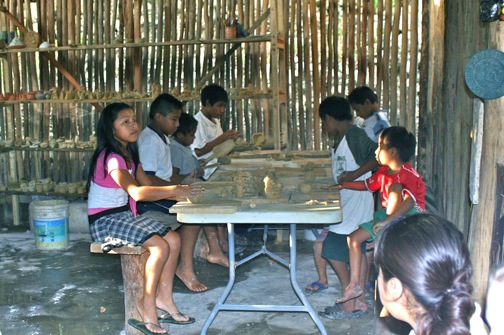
[(272, 188), (258, 139), (304, 188), (309, 176), (224, 160)]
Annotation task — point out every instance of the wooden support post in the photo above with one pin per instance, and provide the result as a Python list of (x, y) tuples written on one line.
[(133, 261)]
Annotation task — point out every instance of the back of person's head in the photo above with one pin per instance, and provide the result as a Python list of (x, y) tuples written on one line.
[(336, 107), (495, 302), (214, 93), (430, 258), (359, 95), (165, 104), (106, 139), (187, 123), (401, 139)]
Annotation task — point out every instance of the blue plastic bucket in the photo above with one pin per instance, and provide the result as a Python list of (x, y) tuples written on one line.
[(49, 223)]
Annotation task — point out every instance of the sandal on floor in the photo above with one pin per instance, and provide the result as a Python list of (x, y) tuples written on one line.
[(142, 327), (168, 318), (337, 313), (316, 287)]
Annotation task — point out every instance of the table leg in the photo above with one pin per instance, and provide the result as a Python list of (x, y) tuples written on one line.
[(295, 285), (230, 284)]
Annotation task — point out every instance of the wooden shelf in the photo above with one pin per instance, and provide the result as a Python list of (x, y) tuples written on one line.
[(8, 149), (250, 39), (127, 100), (52, 194)]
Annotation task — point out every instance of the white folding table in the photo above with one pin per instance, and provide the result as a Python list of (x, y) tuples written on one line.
[(278, 214)]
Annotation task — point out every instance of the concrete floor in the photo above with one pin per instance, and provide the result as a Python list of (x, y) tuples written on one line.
[(75, 292)]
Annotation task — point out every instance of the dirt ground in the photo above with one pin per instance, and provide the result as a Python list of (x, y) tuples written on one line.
[(74, 292)]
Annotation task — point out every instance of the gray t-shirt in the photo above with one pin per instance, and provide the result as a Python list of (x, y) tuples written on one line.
[(182, 158)]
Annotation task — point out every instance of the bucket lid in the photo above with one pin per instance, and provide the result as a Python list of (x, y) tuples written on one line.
[(484, 74), (49, 203)]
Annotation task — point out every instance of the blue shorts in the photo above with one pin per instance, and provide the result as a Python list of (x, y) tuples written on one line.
[(335, 247)]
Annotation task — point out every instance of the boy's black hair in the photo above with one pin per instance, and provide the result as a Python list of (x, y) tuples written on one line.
[(187, 123), (401, 139), (214, 93), (336, 107), (359, 95), (164, 104)]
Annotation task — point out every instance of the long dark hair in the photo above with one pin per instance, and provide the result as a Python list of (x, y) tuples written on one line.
[(107, 141), (428, 254)]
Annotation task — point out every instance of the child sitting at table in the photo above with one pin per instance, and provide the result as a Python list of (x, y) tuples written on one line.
[(402, 192), (116, 182), (209, 133), (352, 159), (365, 103), (186, 166)]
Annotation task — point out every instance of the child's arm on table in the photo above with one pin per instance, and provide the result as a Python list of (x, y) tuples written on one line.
[(134, 187), (352, 185), (352, 175), (218, 140)]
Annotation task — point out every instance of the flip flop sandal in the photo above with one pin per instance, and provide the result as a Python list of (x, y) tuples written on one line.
[(168, 318), (319, 287), (337, 313), (142, 327)]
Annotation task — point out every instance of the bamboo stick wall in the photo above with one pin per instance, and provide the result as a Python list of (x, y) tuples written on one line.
[(332, 46)]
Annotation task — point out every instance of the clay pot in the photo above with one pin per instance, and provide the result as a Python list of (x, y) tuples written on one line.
[(31, 95), (230, 32)]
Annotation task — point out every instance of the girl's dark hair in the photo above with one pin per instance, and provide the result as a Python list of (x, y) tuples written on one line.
[(336, 107), (164, 104), (214, 93), (428, 254), (107, 141), (401, 139), (187, 123)]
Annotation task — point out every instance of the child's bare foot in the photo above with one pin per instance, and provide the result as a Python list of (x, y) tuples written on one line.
[(224, 245), (191, 281), (360, 305), (351, 292), (170, 313), (218, 259)]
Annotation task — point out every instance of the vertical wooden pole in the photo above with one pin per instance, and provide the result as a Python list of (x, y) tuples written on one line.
[(413, 69), (316, 74), (394, 64)]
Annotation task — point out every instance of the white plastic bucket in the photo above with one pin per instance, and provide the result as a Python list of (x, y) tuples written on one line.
[(309, 235), (49, 223)]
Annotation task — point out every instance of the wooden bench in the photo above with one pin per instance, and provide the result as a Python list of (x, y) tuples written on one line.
[(133, 266), (133, 269)]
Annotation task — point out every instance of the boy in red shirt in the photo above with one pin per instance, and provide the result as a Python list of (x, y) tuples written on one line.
[(402, 193)]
